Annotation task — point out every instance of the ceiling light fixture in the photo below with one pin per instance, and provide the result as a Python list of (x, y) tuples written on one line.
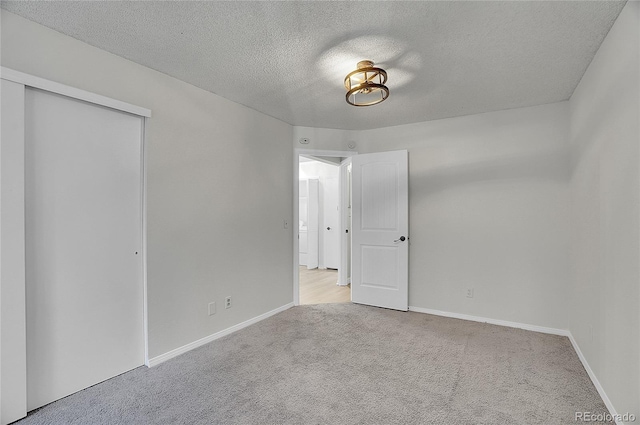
[(365, 86)]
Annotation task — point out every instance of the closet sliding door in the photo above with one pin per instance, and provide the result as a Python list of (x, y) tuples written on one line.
[(72, 241), (83, 218)]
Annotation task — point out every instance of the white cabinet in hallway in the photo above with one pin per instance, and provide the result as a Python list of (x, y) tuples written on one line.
[(308, 222)]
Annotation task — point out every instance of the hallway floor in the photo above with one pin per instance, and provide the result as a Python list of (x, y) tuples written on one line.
[(318, 286)]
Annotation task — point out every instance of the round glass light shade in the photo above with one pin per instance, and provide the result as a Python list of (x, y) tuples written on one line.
[(365, 86)]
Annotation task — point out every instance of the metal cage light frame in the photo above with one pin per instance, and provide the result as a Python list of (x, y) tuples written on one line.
[(363, 81)]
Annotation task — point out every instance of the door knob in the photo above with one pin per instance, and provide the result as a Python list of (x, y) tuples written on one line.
[(328, 228), (402, 239)]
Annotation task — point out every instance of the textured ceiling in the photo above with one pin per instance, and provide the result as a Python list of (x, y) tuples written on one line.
[(289, 59)]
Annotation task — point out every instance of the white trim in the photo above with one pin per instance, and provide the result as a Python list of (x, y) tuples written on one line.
[(51, 86), (296, 208), (13, 334), (143, 248), (295, 226), (343, 207), (594, 379), (534, 328), (319, 152), (207, 339)]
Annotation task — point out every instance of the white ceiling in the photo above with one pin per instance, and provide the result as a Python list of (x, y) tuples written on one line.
[(289, 59)]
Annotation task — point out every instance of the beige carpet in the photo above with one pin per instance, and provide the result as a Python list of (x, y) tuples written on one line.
[(348, 364)]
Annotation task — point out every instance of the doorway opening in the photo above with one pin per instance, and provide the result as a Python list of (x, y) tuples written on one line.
[(322, 225), (374, 237)]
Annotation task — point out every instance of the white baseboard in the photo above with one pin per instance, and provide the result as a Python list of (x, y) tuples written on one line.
[(535, 328), (207, 339), (594, 379)]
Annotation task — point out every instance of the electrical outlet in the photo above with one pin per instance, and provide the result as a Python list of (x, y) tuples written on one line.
[(227, 302), (469, 292), (212, 308)]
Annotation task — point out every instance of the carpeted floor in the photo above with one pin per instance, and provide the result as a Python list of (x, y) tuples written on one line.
[(348, 364)]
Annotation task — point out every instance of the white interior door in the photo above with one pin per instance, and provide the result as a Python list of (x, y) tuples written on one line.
[(380, 224), (331, 223), (84, 291)]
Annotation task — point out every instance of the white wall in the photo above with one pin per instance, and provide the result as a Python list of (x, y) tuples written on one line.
[(219, 186), (318, 169), (322, 171), (488, 210), (605, 195), (324, 138)]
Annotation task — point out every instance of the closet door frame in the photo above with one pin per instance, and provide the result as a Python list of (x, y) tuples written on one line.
[(12, 230)]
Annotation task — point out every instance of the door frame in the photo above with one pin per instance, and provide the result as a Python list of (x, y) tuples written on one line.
[(13, 284), (294, 224), (344, 182)]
